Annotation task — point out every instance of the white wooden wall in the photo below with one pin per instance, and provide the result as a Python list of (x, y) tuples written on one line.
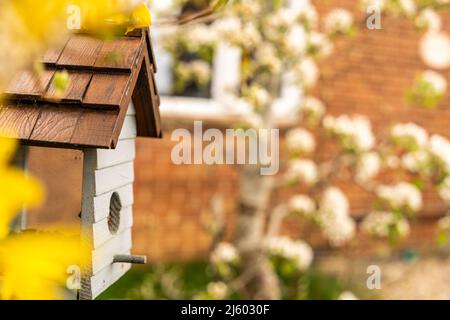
[(21, 161), (106, 172)]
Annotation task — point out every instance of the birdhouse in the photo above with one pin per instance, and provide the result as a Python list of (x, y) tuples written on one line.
[(110, 99)]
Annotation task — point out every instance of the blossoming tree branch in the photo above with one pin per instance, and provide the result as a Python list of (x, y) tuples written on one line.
[(280, 44)]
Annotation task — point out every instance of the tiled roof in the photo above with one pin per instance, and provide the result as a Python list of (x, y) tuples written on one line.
[(105, 76)]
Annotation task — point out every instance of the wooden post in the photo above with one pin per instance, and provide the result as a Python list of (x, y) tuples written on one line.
[(128, 258), (21, 161)]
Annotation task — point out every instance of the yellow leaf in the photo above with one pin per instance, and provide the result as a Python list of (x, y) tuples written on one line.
[(16, 190), (8, 147), (34, 265), (140, 18)]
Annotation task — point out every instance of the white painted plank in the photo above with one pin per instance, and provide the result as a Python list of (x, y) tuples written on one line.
[(111, 178), (108, 276), (98, 186), (100, 230), (102, 202), (129, 129), (124, 152), (20, 160), (103, 256), (131, 111)]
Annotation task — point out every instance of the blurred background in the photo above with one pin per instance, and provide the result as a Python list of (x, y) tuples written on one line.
[(367, 73)]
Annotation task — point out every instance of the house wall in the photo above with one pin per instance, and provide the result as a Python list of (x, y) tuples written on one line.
[(367, 74)]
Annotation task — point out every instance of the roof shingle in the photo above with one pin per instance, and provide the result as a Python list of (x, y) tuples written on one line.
[(104, 77)]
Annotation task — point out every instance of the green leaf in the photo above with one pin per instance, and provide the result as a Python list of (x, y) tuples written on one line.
[(442, 239), (61, 81)]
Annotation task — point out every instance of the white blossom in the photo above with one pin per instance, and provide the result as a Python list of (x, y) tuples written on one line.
[(368, 167), (401, 195), (381, 223), (266, 57), (409, 135), (336, 224), (439, 149), (300, 141), (435, 50), (279, 22), (224, 253), (339, 230), (319, 44), (200, 34), (436, 81), (237, 33), (302, 204), (218, 290), (201, 70), (162, 7), (408, 7), (286, 16), (295, 40), (247, 8), (257, 96), (393, 162), (354, 132), (297, 251), (306, 13), (334, 203), (227, 26), (444, 223), (248, 37), (347, 295), (304, 171), (380, 4), (254, 120), (338, 20), (312, 108), (416, 161), (307, 73), (444, 190), (197, 70), (429, 19)]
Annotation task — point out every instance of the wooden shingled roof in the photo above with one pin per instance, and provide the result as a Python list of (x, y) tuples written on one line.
[(105, 76)]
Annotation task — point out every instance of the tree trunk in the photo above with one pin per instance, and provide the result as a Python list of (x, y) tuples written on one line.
[(259, 280)]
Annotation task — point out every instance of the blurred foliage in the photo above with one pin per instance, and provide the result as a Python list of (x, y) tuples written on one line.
[(189, 280)]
